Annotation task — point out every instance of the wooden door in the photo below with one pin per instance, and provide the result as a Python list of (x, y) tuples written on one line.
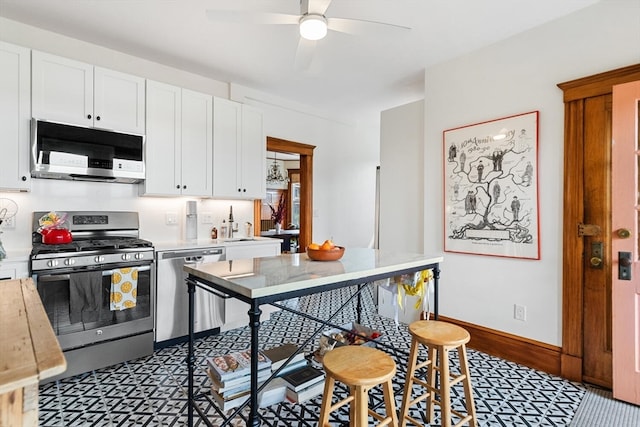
[(596, 155), (626, 270), (586, 282)]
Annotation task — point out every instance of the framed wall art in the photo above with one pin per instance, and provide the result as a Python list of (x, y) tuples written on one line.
[(491, 188)]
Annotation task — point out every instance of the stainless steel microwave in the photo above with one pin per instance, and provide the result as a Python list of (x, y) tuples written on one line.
[(61, 151)]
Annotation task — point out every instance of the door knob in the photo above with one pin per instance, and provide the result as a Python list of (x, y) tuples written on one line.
[(596, 262), (623, 233)]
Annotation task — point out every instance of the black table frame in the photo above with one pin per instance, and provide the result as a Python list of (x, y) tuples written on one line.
[(254, 313)]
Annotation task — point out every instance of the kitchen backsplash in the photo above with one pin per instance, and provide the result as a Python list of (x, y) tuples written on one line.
[(60, 196)]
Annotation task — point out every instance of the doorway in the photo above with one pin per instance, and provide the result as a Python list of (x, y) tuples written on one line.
[(586, 283), (305, 192)]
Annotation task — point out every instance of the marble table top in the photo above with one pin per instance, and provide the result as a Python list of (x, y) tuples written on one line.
[(269, 276)]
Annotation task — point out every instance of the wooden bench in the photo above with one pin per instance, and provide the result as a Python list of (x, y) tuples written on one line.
[(29, 352)]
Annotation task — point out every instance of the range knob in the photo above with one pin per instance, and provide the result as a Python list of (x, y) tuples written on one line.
[(69, 261), (52, 263), (126, 257), (139, 256), (99, 259)]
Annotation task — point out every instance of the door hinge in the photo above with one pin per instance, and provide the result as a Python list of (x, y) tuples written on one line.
[(588, 230)]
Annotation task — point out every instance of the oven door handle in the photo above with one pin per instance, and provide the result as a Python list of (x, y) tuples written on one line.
[(56, 277)]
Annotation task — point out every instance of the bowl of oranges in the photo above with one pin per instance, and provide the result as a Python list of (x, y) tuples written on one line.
[(327, 251)]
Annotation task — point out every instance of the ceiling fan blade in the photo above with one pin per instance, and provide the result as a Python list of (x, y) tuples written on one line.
[(359, 26), (246, 17), (314, 6), (304, 54)]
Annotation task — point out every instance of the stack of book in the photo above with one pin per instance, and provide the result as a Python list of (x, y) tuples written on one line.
[(279, 355), (230, 376), (304, 383)]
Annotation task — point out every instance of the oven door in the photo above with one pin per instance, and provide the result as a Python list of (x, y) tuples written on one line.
[(78, 304)]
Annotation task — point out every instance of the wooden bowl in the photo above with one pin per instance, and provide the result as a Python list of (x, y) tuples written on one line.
[(320, 255)]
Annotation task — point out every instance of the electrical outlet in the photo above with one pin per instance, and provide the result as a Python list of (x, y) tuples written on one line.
[(520, 312), (9, 223), (171, 218), (207, 218)]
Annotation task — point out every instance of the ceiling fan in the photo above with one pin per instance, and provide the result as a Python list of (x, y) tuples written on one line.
[(312, 22)]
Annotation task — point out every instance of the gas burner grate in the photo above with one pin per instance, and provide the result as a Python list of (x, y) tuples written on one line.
[(91, 245)]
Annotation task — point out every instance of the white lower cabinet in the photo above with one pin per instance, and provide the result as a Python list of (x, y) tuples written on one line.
[(179, 142), (13, 270), (15, 115), (235, 311)]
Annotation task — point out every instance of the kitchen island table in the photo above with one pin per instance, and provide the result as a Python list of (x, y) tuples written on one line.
[(260, 281)]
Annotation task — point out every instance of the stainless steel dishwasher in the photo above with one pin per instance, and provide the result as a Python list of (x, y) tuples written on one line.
[(172, 306)]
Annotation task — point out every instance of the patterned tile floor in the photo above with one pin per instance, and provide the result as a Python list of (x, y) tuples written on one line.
[(151, 391)]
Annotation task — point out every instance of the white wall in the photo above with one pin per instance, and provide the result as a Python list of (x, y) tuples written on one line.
[(402, 178), (516, 76), (344, 162)]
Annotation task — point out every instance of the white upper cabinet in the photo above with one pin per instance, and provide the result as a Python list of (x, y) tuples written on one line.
[(119, 101), (15, 115), (179, 141), (68, 91), (239, 151)]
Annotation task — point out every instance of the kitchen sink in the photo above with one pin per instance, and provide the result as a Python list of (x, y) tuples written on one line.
[(240, 239)]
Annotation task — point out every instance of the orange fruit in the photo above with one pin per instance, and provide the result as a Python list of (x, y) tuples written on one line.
[(314, 246), (327, 245)]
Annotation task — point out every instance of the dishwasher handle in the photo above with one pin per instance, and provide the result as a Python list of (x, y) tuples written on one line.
[(191, 254)]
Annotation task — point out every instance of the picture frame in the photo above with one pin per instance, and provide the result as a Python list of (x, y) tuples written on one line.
[(491, 188)]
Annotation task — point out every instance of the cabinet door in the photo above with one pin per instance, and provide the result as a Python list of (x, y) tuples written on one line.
[(253, 154), (62, 89), (15, 113), (162, 144), (226, 151), (197, 143), (119, 102)]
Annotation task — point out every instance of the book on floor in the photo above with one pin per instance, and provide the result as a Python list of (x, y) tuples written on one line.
[(293, 367), (238, 383), (232, 365), (229, 402), (306, 393), (303, 377), (279, 355), (273, 393)]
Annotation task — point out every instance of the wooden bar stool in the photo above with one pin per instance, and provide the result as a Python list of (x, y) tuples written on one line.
[(361, 368), (440, 338)]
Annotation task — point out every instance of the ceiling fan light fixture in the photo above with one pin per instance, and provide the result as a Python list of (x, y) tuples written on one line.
[(313, 26)]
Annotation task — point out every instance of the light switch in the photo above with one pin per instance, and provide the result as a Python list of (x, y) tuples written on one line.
[(171, 218)]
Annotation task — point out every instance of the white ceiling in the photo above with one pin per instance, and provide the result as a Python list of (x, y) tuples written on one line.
[(376, 69)]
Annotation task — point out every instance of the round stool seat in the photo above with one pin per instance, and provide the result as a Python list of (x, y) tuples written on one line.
[(359, 365), (434, 332)]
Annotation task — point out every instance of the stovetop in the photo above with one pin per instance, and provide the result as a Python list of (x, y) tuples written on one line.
[(90, 245)]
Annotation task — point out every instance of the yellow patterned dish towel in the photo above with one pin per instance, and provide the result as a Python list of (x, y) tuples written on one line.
[(416, 284), (124, 288)]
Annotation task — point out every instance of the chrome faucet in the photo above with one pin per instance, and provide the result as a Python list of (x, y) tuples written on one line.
[(233, 227)]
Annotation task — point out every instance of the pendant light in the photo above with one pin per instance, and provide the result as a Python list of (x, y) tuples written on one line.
[(275, 176)]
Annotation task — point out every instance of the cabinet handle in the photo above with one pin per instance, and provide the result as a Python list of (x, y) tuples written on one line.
[(24, 178), (184, 187), (97, 117), (178, 186), (244, 190), (88, 116), (239, 190)]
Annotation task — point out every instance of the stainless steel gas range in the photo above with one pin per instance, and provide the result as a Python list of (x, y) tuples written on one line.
[(99, 290)]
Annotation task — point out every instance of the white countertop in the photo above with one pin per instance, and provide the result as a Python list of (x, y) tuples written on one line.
[(261, 277), (209, 243)]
